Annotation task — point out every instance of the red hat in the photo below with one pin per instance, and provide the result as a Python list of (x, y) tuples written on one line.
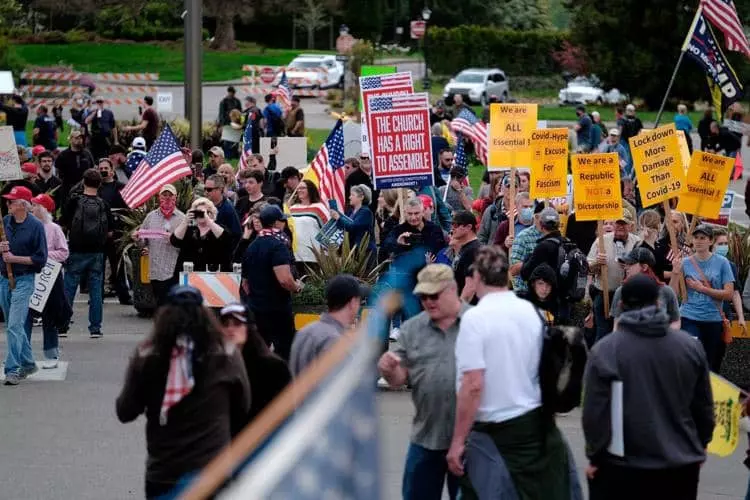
[(19, 193), (44, 200), (37, 150), (426, 200), (29, 168)]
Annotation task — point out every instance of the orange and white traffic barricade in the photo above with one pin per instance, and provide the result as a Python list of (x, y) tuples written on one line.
[(218, 289), (127, 77), (263, 79)]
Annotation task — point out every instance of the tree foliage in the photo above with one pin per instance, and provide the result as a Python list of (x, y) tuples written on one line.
[(521, 15)]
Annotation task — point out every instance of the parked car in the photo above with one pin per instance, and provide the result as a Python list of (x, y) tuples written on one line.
[(314, 71), (587, 90), (476, 85)]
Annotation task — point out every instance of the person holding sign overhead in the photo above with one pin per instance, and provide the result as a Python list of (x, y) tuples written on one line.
[(709, 281)]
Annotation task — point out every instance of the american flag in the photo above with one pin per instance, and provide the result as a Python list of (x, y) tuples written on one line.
[(328, 166), (723, 15), (399, 102), (475, 129), (180, 381), (247, 145), (284, 93), (459, 156), (163, 164), (393, 80)]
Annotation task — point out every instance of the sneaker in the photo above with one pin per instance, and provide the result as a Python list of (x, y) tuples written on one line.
[(12, 379), (28, 371), (49, 364), (62, 334), (95, 335), (37, 321)]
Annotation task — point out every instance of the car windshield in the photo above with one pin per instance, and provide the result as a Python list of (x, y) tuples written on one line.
[(467, 77), (305, 64)]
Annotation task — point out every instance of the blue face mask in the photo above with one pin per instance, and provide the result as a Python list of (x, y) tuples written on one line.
[(526, 215), (722, 250)]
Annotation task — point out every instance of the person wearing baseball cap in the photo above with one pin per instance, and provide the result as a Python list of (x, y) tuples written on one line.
[(215, 160), (618, 243), (344, 295), (465, 243), (101, 123), (424, 357), (710, 281), (641, 261), (28, 169), (25, 252), (268, 281), (37, 150), (162, 255)]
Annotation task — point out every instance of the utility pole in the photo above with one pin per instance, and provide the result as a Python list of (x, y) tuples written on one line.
[(195, 56), (186, 58)]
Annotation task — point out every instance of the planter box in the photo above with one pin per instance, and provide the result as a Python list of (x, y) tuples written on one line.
[(143, 296)]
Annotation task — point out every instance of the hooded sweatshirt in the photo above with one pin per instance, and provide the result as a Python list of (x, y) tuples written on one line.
[(668, 415), (551, 303)]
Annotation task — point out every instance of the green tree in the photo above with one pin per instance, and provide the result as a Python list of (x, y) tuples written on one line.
[(520, 14), (634, 45)]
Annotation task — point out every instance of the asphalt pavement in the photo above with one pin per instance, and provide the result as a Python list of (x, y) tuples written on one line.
[(60, 438)]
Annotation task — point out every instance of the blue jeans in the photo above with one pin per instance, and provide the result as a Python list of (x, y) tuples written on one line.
[(15, 305), (424, 474), (602, 324), (710, 335), (93, 265)]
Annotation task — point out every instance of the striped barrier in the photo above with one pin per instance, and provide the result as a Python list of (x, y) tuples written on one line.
[(259, 87), (51, 76), (218, 289), (65, 101), (296, 92), (126, 90), (127, 77), (48, 89)]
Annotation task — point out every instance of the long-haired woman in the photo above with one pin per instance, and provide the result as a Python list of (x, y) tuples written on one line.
[(191, 386)]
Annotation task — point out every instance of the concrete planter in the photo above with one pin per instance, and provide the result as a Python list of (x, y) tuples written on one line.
[(736, 364)]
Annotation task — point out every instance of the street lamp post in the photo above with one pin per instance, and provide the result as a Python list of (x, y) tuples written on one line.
[(426, 13), (343, 31)]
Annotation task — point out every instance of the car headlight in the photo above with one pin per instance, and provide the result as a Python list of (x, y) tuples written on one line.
[(475, 92)]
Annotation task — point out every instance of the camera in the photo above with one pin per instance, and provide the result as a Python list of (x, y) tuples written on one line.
[(199, 214), (414, 239)]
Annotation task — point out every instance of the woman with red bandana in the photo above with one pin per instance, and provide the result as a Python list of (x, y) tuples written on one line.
[(153, 237)]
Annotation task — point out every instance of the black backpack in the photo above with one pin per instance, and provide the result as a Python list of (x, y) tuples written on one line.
[(90, 224), (572, 271), (561, 367)]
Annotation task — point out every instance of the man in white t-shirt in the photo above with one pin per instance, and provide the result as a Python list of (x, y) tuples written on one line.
[(497, 371)]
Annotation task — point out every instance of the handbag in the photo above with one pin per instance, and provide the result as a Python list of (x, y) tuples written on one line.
[(726, 333)]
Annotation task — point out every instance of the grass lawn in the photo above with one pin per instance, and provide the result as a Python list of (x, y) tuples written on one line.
[(164, 58)]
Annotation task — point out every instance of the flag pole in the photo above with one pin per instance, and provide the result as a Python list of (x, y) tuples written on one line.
[(677, 66)]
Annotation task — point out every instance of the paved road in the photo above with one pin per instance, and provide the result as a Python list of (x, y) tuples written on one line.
[(60, 439)]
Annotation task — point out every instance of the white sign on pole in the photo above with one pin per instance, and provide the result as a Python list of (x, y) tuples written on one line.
[(291, 151), (43, 283), (352, 139), (10, 165), (164, 102)]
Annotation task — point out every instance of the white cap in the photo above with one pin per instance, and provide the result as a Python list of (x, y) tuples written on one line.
[(595, 113), (630, 108), (614, 131), (139, 142)]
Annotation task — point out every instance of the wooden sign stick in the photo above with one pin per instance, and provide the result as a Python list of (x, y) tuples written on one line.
[(512, 203), (603, 278), (8, 265)]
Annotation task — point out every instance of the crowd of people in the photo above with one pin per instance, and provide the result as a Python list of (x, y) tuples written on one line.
[(498, 274)]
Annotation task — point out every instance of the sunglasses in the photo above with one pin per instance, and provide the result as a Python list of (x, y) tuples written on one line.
[(429, 296), (208, 189)]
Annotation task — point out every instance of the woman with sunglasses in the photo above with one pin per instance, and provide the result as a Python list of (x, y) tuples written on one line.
[(189, 423), (268, 374)]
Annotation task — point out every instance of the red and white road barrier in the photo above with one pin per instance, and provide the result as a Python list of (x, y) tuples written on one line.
[(126, 77), (296, 92), (51, 76), (49, 89)]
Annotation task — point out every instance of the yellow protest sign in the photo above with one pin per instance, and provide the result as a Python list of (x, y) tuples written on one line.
[(510, 135), (707, 181), (684, 150), (549, 163), (658, 164), (727, 408), (596, 186)]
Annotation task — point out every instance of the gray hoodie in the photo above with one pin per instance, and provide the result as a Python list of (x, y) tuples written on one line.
[(668, 416)]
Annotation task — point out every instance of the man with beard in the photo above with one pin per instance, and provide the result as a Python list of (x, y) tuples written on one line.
[(72, 163), (46, 181)]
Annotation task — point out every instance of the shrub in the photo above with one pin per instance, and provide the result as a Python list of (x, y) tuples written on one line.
[(449, 50)]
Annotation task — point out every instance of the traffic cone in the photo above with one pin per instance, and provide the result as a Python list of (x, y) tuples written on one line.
[(738, 168)]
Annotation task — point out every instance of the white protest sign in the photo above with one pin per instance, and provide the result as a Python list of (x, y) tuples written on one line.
[(292, 151), (43, 283), (164, 102), (352, 139), (10, 165)]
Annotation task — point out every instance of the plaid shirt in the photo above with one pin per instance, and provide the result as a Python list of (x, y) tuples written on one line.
[(523, 247), (162, 255)]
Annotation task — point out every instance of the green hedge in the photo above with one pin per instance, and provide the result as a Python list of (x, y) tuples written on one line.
[(450, 50)]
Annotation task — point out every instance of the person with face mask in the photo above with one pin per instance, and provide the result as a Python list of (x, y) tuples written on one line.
[(523, 220), (733, 310), (110, 192)]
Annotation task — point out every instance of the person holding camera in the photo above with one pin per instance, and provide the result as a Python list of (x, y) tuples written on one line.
[(201, 240), (415, 232)]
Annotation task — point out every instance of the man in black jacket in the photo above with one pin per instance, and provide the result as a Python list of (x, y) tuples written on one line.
[(16, 116), (547, 249), (659, 379), (415, 232), (72, 163)]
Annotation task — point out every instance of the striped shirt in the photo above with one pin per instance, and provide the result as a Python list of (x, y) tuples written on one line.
[(308, 220), (523, 246)]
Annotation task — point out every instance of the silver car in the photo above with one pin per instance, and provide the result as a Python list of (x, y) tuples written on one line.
[(476, 85)]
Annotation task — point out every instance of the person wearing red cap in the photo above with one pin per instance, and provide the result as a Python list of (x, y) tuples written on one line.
[(30, 171), (26, 252), (56, 310), (26, 170)]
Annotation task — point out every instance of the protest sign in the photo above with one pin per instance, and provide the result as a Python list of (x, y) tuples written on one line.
[(330, 235), (368, 70), (725, 212), (43, 283), (549, 163), (727, 408), (292, 151), (510, 135), (596, 186), (380, 85), (352, 139), (400, 141), (658, 164), (10, 165), (684, 150), (707, 180)]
